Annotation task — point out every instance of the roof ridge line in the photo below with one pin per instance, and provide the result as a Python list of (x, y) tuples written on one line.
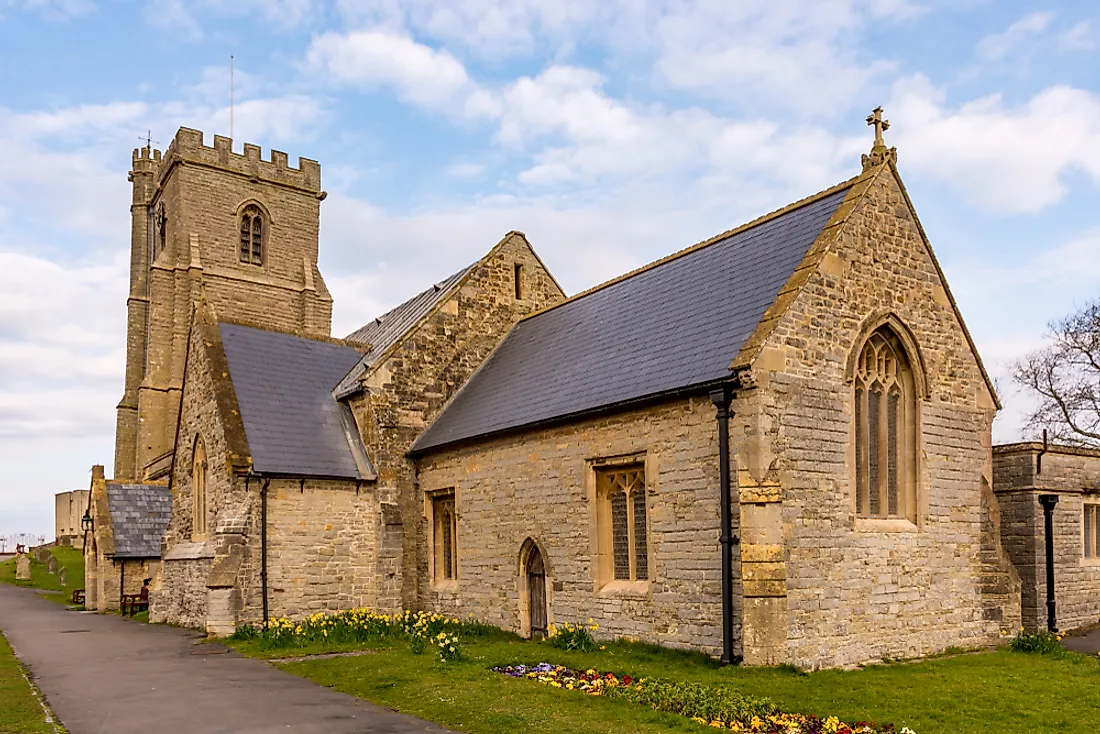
[(381, 318), (336, 341), (463, 276), (700, 245)]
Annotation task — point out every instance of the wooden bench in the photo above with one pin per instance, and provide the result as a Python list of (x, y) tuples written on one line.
[(78, 596), (133, 603)]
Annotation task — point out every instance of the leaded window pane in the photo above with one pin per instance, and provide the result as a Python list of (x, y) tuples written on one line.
[(448, 546), (257, 240), (246, 237), (641, 549), (893, 447), (861, 453), (1090, 531), (874, 447), (620, 540)]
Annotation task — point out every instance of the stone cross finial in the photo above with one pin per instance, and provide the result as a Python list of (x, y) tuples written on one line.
[(879, 153), (881, 125)]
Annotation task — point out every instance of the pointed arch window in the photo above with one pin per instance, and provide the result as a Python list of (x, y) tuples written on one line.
[(252, 235), (621, 523), (198, 490), (886, 430)]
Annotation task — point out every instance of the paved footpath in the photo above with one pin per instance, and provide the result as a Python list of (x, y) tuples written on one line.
[(102, 674), (1086, 643)]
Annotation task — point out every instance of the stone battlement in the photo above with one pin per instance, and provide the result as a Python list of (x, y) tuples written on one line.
[(188, 147)]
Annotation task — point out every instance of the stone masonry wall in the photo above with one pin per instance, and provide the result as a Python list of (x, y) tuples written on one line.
[(537, 485), (1074, 475), (322, 539), (179, 590), (862, 590), (411, 384)]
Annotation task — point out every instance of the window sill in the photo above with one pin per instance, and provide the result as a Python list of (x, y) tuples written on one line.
[(885, 525), (445, 587), (625, 588), (1090, 562)]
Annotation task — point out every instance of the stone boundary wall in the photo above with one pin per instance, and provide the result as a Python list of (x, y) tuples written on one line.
[(1020, 476)]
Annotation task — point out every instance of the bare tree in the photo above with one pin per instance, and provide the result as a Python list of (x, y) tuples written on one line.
[(1065, 375)]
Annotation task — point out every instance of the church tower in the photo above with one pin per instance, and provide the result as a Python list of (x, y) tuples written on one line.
[(208, 223)]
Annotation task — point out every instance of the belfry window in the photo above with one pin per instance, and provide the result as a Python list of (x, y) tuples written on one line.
[(621, 523), (885, 428), (198, 490), (252, 236)]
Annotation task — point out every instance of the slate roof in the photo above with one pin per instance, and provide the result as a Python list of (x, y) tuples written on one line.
[(668, 327), (283, 385), (386, 330), (139, 517)]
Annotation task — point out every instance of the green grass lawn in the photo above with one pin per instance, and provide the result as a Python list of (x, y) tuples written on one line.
[(41, 578), (989, 692), (20, 712)]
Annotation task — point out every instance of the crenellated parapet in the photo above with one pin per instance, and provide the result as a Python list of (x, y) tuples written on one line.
[(188, 149)]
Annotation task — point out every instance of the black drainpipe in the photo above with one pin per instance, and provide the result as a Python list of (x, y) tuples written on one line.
[(121, 582), (721, 398), (1048, 501), (263, 546)]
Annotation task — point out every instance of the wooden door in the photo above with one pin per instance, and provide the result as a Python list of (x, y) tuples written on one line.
[(536, 593)]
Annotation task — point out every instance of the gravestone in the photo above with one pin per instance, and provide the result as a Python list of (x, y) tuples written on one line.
[(23, 567), (51, 565), (63, 576), (43, 554)]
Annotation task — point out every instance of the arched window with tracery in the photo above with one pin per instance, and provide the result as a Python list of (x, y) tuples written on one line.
[(252, 235), (198, 490), (621, 523), (886, 429)]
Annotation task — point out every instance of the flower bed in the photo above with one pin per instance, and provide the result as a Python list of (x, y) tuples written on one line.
[(422, 629), (720, 707)]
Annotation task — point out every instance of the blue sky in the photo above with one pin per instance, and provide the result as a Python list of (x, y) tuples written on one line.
[(612, 133)]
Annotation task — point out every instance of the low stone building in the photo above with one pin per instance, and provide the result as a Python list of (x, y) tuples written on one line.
[(124, 546), (69, 509), (579, 472), (1023, 472)]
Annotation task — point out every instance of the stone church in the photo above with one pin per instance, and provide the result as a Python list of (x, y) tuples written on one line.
[(774, 445)]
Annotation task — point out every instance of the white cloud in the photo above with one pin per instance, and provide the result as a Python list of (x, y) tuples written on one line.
[(1007, 158), (997, 46), (496, 28), (418, 73), (60, 353), (1078, 38), (49, 9), (186, 16), (796, 54), (573, 131)]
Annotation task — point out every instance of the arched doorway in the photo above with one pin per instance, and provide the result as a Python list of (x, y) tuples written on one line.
[(536, 593)]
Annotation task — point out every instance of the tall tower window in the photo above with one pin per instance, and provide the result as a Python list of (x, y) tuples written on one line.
[(160, 230), (252, 236)]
